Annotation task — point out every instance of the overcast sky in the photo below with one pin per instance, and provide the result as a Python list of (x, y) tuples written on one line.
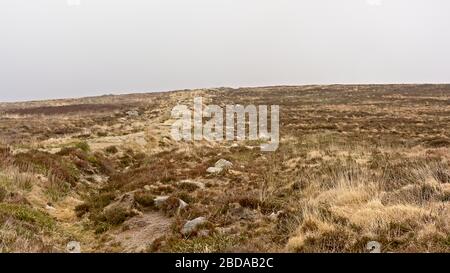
[(52, 49)]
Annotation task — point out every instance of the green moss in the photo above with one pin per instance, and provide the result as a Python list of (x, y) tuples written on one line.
[(58, 191), (101, 227), (145, 199), (83, 145), (99, 201), (27, 214), (116, 216)]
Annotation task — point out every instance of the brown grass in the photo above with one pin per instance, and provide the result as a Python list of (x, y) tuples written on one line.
[(355, 164)]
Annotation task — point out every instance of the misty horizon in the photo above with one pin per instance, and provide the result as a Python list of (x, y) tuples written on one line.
[(54, 49), (100, 94)]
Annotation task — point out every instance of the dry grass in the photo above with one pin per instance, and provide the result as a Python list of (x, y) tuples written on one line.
[(355, 164)]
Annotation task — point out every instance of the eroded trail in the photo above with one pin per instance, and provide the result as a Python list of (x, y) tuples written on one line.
[(137, 233)]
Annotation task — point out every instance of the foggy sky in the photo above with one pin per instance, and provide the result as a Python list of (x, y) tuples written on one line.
[(49, 49)]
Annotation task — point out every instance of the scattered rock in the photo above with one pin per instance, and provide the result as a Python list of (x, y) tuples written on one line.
[(191, 184), (182, 204), (203, 233), (85, 133), (132, 113), (274, 216), (214, 170), (223, 164), (373, 247), (97, 178), (49, 207), (147, 188), (226, 230), (73, 247), (192, 226), (125, 203), (241, 212), (161, 201), (220, 165), (136, 212)]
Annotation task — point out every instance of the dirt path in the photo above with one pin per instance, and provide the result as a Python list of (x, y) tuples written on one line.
[(142, 231)]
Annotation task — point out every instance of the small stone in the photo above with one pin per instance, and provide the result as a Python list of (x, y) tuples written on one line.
[(225, 230), (240, 212), (203, 233), (196, 184), (182, 204), (136, 212), (132, 113), (160, 200), (97, 178), (214, 170), (274, 216), (223, 164), (373, 247), (220, 165), (147, 188), (192, 225), (48, 207), (73, 247)]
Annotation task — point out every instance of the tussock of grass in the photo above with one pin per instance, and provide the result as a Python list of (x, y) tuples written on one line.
[(147, 200), (83, 145), (210, 244), (48, 164), (27, 214)]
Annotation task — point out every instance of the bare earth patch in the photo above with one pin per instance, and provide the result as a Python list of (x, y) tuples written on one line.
[(141, 231)]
